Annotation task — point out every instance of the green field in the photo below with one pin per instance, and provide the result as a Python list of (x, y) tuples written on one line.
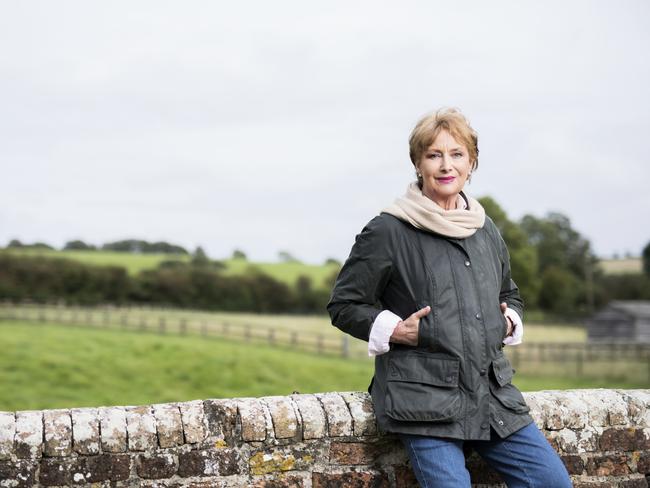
[(304, 331), (134, 263), (55, 366)]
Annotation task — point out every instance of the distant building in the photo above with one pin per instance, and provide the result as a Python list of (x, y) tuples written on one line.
[(621, 321)]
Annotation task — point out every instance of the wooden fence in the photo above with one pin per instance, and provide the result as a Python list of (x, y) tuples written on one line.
[(576, 358)]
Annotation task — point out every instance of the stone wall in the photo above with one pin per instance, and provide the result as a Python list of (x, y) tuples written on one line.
[(322, 440)]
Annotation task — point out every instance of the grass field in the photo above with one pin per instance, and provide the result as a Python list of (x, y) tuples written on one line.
[(304, 329), (134, 263), (56, 366), (621, 266)]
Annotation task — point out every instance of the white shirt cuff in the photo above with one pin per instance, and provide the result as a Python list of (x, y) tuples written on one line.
[(382, 329), (518, 328)]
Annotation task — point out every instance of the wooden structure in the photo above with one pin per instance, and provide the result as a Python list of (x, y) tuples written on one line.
[(621, 321)]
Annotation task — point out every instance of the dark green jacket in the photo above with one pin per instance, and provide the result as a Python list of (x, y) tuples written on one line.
[(457, 381)]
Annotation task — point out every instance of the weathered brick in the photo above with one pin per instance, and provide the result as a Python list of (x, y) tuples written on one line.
[(577, 415), (551, 410), (481, 472), (638, 406), (565, 440), (356, 479), (616, 408), (29, 434), (55, 472), (112, 421), (285, 422), (339, 419), (58, 433), (7, 434), (221, 416), (141, 428), (593, 484), (634, 483), (362, 411), (223, 462), (103, 467), (253, 419), (279, 482), (617, 439), (85, 430), (405, 478), (285, 458), (193, 419), (643, 463), (608, 465), (156, 466), (596, 404), (168, 425), (312, 416), (352, 453), (574, 464), (18, 474)]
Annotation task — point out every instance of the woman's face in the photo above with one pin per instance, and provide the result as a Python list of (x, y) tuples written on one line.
[(445, 167)]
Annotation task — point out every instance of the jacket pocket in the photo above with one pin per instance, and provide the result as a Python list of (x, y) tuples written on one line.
[(423, 388), (502, 388)]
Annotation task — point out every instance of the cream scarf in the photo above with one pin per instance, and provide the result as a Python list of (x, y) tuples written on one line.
[(422, 212)]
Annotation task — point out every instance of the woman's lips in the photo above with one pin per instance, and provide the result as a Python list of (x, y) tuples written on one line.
[(446, 179)]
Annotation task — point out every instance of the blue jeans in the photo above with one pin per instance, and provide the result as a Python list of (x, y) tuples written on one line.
[(523, 459)]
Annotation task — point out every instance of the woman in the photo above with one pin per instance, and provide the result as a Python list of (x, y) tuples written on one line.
[(428, 285)]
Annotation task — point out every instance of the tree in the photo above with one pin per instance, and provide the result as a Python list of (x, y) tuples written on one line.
[(15, 243), (239, 254), (523, 255), (645, 256), (199, 257), (287, 257), (78, 245), (562, 248), (332, 262)]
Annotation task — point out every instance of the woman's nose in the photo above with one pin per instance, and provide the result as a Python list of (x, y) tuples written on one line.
[(446, 162)]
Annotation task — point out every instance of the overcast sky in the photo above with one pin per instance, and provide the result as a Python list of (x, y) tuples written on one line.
[(269, 126)]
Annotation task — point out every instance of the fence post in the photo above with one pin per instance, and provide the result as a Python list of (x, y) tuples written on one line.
[(579, 361), (204, 329), (271, 337), (161, 325), (247, 333), (294, 338), (183, 326), (345, 346), (143, 322), (319, 344)]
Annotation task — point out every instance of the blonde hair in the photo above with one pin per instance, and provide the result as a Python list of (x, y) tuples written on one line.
[(449, 119)]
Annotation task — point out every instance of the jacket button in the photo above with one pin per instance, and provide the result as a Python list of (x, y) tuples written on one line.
[(500, 422), (483, 372), (467, 263), (499, 376), (478, 316), (484, 425), (449, 379)]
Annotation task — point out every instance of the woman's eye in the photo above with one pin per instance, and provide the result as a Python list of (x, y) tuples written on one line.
[(434, 155), (458, 155)]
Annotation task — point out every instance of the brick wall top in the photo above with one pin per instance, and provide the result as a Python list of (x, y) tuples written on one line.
[(297, 440)]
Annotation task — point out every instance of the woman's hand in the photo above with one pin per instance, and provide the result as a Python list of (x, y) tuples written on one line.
[(406, 331), (511, 326)]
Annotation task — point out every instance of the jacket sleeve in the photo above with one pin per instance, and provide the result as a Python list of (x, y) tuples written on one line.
[(354, 302), (509, 292)]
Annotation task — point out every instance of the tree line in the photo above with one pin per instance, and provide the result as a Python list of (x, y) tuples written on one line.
[(556, 269), (552, 263), (199, 284)]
